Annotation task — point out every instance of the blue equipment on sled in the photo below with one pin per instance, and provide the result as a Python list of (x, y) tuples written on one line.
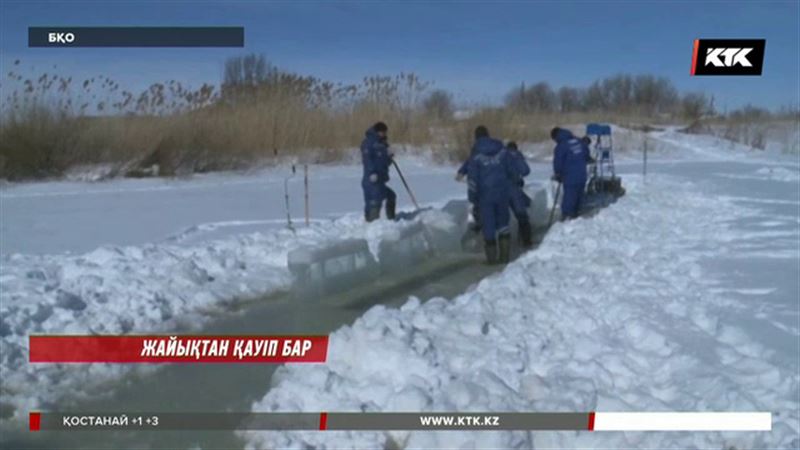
[(604, 185)]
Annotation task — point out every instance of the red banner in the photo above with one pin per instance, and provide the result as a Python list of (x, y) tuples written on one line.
[(178, 349)]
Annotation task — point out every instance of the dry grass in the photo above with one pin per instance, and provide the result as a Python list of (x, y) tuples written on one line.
[(52, 123), (223, 137), (511, 125)]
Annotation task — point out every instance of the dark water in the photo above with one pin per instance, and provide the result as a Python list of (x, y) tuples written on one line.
[(233, 387)]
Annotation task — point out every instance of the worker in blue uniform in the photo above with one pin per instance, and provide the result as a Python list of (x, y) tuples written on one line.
[(570, 158), (520, 202), (376, 159), (490, 171)]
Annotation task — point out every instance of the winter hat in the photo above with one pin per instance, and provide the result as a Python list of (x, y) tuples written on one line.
[(481, 131), (554, 133), (380, 127), (512, 145)]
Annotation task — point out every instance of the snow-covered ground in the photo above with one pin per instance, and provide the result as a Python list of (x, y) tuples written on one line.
[(683, 296), (615, 313), (773, 136), (152, 288), (201, 246), (77, 217)]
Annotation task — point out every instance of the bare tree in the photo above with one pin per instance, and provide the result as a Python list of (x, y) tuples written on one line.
[(595, 98), (242, 74), (538, 98), (654, 95), (618, 91), (570, 99), (695, 105), (439, 105)]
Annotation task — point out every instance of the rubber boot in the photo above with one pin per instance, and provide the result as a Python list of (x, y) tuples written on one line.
[(504, 242), (390, 208), (525, 235), (476, 217), (372, 214), (490, 247)]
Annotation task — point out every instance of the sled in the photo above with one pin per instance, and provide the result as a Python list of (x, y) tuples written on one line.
[(604, 186)]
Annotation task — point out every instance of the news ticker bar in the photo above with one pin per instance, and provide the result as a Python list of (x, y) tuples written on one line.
[(135, 36), (591, 421)]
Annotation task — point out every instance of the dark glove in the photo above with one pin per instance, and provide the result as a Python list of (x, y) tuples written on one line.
[(556, 177)]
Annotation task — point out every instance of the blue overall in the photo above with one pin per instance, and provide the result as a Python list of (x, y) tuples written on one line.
[(490, 171), (376, 160), (520, 202), (569, 165)]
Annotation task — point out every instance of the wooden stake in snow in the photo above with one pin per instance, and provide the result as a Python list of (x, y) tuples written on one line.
[(286, 197), (305, 184)]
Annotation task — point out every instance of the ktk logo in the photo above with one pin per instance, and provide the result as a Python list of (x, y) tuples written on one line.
[(732, 57), (728, 56)]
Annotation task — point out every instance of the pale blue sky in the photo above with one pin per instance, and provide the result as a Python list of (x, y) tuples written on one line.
[(477, 50)]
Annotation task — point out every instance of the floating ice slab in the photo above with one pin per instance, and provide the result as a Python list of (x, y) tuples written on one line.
[(331, 268), (412, 246), (340, 265)]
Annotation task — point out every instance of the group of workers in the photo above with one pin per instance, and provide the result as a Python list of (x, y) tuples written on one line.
[(495, 175)]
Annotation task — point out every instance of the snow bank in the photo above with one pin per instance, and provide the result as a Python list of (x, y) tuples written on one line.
[(779, 174), (708, 147), (148, 289), (776, 137), (340, 265), (615, 313)]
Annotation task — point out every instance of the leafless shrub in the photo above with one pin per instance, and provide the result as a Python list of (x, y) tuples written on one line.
[(439, 105)]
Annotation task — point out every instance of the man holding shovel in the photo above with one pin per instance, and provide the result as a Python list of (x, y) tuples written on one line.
[(376, 159)]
